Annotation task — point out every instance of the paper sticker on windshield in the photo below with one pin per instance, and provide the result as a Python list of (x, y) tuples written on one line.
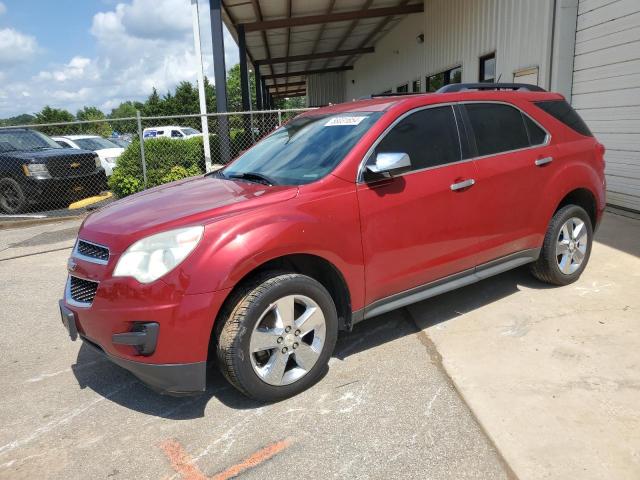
[(342, 121)]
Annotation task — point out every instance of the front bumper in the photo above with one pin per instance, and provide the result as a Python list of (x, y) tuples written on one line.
[(38, 190), (160, 335)]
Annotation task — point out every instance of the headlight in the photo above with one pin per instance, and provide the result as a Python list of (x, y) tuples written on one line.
[(111, 160), (98, 163), (36, 170), (152, 257)]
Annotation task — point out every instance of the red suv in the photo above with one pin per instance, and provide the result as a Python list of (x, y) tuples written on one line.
[(342, 214)]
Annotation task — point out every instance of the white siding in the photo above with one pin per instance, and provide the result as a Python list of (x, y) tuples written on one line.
[(325, 88), (398, 59), (606, 89), (458, 32)]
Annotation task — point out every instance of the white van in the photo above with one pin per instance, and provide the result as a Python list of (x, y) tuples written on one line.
[(170, 131)]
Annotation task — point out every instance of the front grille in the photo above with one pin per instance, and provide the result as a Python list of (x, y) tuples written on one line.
[(92, 250), (82, 291), (72, 165)]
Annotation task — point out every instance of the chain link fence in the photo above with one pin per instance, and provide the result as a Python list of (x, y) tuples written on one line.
[(60, 169)]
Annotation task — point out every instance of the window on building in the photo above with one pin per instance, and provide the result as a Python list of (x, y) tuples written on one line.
[(453, 75), (497, 127), (488, 68), (415, 86), (429, 137), (404, 88)]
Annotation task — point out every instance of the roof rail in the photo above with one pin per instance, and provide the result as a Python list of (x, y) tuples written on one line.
[(394, 94), (458, 87)]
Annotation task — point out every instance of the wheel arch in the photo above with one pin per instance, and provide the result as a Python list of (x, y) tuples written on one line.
[(314, 266), (582, 197)]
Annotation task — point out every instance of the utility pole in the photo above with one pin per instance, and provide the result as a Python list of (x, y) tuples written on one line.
[(201, 92)]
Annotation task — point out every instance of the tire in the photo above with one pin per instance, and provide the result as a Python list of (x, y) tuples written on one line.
[(558, 268), (12, 197), (258, 354)]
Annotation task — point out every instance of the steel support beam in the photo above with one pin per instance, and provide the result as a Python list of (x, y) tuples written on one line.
[(259, 102), (288, 84), (308, 72), (244, 71), (333, 17), (315, 56), (220, 75)]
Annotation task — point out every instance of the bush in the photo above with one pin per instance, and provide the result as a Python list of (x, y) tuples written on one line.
[(168, 160)]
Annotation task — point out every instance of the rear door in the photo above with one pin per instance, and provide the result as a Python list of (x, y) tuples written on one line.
[(415, 227), (514, 160)]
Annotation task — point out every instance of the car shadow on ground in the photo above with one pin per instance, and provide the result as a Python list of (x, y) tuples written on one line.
[(119, 386)]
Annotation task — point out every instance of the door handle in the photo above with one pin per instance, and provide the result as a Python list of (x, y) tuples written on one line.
[(463, 184), (543, 161)]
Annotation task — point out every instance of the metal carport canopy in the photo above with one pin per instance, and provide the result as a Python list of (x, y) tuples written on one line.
[(287, 40)]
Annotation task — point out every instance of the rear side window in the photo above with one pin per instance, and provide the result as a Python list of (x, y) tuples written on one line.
[(429, 137), (497, 128), (537, 136), (564, 112)]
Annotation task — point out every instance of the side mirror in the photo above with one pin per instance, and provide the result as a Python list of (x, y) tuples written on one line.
[(390, 164)]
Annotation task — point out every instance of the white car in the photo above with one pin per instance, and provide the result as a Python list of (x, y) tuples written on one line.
[(170, 131), (106, 150)]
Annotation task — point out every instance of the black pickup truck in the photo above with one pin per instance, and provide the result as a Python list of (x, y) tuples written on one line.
[(36, 170)]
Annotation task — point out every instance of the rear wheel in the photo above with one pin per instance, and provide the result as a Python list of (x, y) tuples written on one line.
[(12, 197), (278, 337), (566, 248)]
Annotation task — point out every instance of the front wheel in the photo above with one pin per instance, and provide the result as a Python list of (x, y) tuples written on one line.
[(278, 336), (12, 197), (566, 248)]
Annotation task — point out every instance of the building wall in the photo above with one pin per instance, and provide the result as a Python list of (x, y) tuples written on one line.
[(325, 88), (459, 32), (606, 90), (398, 59)]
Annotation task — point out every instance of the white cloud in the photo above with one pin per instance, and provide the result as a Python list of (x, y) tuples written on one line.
[(3, 8), (16, 47), (141, 44)]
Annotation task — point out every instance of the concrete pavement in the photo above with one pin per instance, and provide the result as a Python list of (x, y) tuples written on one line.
[(552, 374)]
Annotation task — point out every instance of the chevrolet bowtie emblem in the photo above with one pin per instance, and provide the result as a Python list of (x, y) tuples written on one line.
[(71, 265), (74, 164)]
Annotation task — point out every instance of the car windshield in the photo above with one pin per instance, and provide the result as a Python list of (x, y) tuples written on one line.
[(304, 150), (24, 140), (190, 131), (95, 143)]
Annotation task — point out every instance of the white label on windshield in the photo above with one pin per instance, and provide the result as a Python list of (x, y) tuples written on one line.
[(340, 121)]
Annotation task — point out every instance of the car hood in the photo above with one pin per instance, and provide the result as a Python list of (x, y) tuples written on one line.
[(110, 152), (39, 155), (192, 201)]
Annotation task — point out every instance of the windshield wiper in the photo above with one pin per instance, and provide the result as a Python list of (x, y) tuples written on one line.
[(253, 177)]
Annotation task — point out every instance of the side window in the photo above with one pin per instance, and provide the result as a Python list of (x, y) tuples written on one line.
[(429, 137), (537, 136), (497, 127), (176, 133), (564, 112), (63, 144)]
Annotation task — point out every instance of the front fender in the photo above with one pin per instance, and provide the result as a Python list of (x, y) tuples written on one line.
[(325, 224)]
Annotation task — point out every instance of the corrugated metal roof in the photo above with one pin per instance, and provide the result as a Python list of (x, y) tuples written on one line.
[(298, 38)]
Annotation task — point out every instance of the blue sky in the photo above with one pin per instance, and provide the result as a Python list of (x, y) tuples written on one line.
[(71, 53)]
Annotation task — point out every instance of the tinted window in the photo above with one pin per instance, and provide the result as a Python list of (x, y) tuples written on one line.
[(305, 149), (429, 137), (487, 68), (562, 111), (497, 128), (537, 136), (176, 133)]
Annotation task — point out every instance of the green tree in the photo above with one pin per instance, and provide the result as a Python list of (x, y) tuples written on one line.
[(23, 119), (234, 90), (56, 115), (125, 110), (98, 128), (154, 105)]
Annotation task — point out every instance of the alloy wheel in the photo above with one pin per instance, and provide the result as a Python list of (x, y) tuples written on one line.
[(571, 247), (287, 340)]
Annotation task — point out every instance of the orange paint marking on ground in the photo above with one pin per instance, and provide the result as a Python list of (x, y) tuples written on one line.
[(183, 464), (254, 460), (181, 461)]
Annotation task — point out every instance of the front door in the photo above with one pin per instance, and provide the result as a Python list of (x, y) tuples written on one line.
[(419, 227)]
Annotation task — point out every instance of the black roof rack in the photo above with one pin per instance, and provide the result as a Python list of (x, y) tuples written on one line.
[(393, 94), (459, 87)]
